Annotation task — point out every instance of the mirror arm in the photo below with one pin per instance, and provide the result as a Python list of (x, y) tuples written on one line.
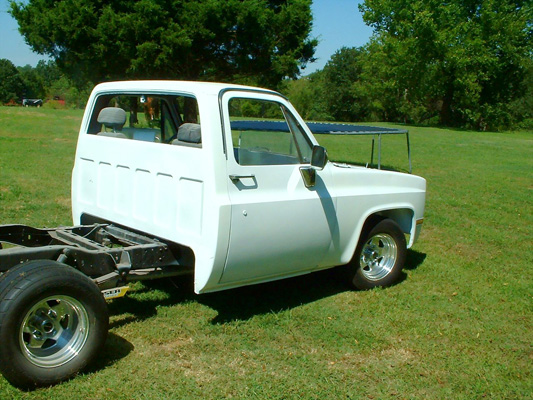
[(308, 176)]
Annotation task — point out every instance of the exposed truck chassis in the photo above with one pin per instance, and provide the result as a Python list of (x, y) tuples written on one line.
[(108, 254)]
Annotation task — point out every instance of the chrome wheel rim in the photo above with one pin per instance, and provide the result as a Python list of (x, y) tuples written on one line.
[(378, 256), (54, 331)]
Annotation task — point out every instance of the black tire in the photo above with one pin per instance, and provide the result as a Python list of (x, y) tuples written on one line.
[(53, 322), (379, 257)]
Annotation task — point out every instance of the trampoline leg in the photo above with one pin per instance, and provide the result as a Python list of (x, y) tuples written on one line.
[(379, 150), (372, 153), (409, 152)]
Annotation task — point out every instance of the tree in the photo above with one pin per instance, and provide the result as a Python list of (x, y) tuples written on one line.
[(47, 73), (340, 73), (467, 56), (254, 41), (392, 86), (307, 94), (11, 86), (33, 84), (73, 95), (522, 107)]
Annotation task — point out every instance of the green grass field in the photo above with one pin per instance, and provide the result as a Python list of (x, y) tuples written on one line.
[(459, 326)]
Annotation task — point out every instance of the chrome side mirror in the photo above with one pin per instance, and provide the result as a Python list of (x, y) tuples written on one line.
[(319, 158)]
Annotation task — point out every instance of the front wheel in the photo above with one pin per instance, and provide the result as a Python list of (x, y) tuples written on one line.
[(379, 257), (53, 322)]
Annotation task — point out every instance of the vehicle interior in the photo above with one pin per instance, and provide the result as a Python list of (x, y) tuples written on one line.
[(145, 117)]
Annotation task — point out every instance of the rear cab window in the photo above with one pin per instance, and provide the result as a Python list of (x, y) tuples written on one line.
[(155, 118)]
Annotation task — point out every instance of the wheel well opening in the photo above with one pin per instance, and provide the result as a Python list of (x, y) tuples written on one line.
[(402, 216)]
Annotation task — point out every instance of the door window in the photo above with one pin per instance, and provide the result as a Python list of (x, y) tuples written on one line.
[(266, 133)]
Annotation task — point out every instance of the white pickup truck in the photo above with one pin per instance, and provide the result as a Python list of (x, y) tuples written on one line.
[(223, 182)]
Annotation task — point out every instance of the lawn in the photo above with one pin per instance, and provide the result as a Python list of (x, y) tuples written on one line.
[(458, 326)]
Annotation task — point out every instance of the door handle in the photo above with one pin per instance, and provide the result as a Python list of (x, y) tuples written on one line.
[(238, 177)]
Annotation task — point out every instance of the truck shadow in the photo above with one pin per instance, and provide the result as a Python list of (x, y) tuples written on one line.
[(414, 260), (238, 304), (273, 297), (249, 301), (242, 303), (233, 304), (114, 350)]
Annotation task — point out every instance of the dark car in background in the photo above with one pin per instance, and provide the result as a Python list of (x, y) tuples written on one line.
[(32, 102)]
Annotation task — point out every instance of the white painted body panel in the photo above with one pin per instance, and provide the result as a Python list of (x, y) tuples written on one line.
[(242, 232), (278, 226)]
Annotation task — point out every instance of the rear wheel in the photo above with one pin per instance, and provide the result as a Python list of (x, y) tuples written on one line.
[(53, 322), (379, 257)]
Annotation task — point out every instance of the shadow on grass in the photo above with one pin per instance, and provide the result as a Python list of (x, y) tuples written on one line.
[(114, 350), (414, 259), (233, 304), (238, 304), (241, 303), (246, 302), (131, 308)]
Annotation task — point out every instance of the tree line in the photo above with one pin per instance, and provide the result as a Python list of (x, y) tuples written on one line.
[(44, 81), (461, 63)]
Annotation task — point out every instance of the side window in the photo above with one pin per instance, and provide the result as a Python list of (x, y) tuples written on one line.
[(149, 118), (266, 133)]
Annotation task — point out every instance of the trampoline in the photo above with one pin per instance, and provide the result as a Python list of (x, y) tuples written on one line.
[(331, 129)]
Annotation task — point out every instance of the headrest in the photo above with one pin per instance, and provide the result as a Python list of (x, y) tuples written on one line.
[(112, 117), (190, 133)]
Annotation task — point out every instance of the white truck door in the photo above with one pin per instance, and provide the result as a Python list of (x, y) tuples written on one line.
[(279, 227)]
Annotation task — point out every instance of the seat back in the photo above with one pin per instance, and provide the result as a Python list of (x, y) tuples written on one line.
[(113, 118), (189, 134)]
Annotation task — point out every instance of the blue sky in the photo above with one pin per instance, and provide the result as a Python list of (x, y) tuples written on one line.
[(336, 23)]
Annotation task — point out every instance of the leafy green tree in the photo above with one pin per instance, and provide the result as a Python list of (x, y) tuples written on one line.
[(391, 86), (522, 107), (339, 74), (33, 84), (376, 87), (11, 86), (254, 41), (73, 95), (329, 94), (308, 95), (465, 57), (47, 72)]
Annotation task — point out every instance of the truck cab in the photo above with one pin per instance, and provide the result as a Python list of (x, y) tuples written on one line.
[(203, 166)]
